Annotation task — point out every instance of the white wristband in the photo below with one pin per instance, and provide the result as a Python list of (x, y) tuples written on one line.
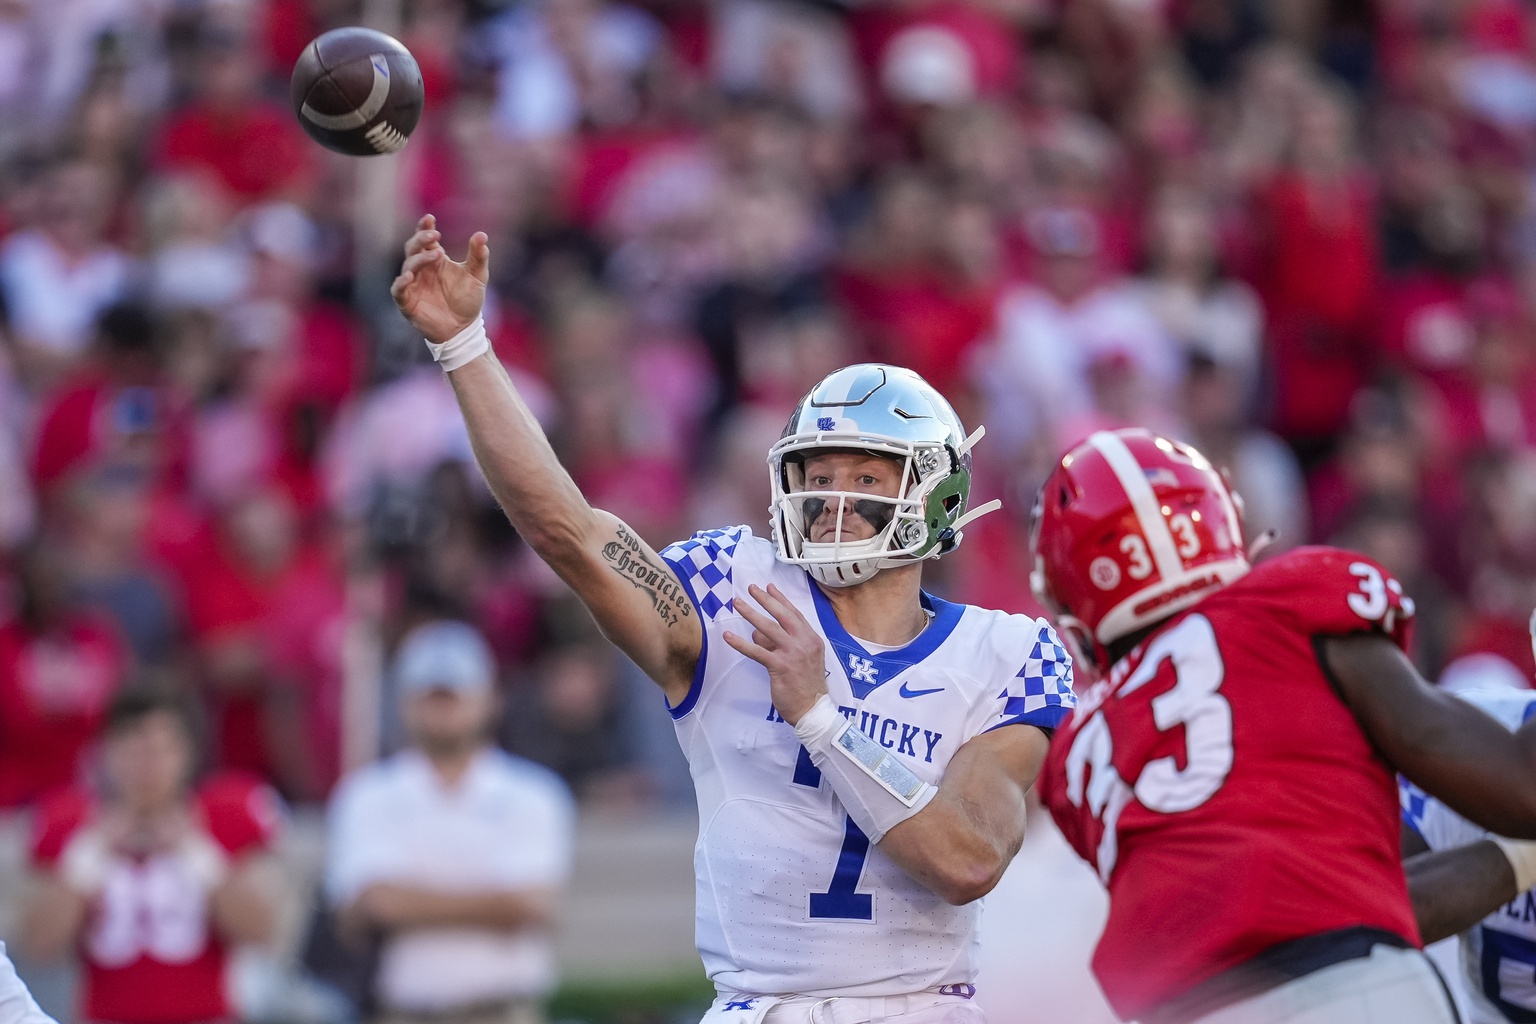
[(817, 723), (1521, 855), (469, 344)]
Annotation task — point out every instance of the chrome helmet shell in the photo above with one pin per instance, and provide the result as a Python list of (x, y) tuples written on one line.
[(888, 411)]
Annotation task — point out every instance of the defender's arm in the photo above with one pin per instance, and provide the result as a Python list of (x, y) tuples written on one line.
[(1454, 889), (1452, 750), (634, 596)]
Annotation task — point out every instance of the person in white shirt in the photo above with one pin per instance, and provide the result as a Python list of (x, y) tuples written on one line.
[(58, 276), (452, 850), (16, 1003), (860, 749)]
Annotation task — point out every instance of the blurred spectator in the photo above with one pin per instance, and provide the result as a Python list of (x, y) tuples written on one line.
[(1319, 272), (1393, 534), (233, 577), (1381, 460), (1206, 312), (1262, 468), (1076, 324), (1498, 555), (193, 261), (922, 277), (571, 63), (798, 50), (298, 358), (451, 851), (60, 272), (150, 878), (251, 146), (18, 511), (60, 665), (569, 716), (111, 568), (771, 275), (115, 410)]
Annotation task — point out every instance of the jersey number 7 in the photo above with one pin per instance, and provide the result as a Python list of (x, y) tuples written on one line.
[(1195, 702)]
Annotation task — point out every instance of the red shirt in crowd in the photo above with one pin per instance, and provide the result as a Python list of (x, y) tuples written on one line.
[(93, 418), (304, 637), (1319, 289), (150, 951), (53, 691), (919, 321), (257, 153)]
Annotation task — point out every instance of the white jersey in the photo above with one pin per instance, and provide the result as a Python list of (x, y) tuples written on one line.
[(1498, 955), (791, 898)]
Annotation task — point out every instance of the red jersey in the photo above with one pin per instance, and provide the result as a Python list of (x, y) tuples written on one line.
[(1224, 792), (149, 950), (54, 690)]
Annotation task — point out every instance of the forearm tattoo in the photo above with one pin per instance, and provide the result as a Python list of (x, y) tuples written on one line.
[(627, 557)]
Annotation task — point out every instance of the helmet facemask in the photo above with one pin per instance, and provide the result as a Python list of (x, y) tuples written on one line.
[(918, 522)]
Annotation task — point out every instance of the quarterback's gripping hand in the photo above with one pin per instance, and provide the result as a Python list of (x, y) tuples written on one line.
[(786, 645), (439, 296)]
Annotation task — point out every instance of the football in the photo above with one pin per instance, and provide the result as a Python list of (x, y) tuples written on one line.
[(357, 91)]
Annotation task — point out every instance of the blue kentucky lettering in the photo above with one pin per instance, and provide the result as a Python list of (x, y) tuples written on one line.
[(826, 423), (891, 734), (741, 1004)]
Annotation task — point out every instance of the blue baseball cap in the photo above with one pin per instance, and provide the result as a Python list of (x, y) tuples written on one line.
[(445, 655)]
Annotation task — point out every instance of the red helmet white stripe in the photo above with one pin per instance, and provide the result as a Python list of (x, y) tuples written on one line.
[(1138, 488)]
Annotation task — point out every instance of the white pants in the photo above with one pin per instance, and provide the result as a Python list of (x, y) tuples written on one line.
[(1391, 986), (918, 1008)]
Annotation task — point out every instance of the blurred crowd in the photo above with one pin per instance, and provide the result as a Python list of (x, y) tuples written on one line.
[(1301, 235)]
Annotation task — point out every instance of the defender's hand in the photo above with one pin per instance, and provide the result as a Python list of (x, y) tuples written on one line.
[(786, 645), (439, 296)]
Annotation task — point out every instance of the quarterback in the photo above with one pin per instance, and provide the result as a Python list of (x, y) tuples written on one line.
[(1476, 884), (1231, 774), (860, 749)]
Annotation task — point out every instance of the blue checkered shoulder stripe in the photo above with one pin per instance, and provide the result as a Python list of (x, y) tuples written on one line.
[(703, 564), (1415, 804), (1041, 693)]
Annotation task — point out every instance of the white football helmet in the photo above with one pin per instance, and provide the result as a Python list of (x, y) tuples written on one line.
[(889, 411)]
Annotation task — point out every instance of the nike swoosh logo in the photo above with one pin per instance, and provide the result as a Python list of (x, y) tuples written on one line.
[(363, 114), (918, 693)]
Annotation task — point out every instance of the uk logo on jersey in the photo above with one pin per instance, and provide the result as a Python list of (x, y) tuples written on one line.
[(862, 670)]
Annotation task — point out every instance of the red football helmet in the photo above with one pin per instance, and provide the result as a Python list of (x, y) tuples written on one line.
[(1130, 528)]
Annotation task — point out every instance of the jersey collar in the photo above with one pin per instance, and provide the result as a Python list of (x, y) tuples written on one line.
[(867, 669)]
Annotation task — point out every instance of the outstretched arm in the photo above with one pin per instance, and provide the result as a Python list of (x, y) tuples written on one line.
[(1452, 750), (630, 591), (1454, 889), (955, 839)]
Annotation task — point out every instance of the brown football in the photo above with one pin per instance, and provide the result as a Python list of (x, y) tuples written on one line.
[(357, 91)]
